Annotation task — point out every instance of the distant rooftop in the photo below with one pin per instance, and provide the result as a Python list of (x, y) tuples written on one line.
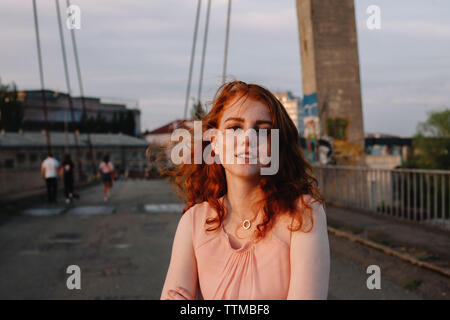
[(37, 139), (53, 95), (168, 128), (49, 95), (285, 93), (382, 135)]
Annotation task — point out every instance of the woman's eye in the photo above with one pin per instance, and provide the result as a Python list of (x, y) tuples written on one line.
[(234, 127), (266, 129)]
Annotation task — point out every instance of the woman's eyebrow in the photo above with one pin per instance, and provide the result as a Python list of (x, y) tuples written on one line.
[(242, 120), (263, 122), (235, 119)]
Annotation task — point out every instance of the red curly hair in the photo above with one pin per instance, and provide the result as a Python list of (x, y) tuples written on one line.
[(197, 183)]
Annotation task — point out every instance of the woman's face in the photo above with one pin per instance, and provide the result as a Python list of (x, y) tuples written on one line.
[(240, 152)]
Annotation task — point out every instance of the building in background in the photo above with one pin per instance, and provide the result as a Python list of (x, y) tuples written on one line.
[(21, 155), (293, 106), (381, 150), (159, 151), (106, 116), (387, 151), (161, 136)]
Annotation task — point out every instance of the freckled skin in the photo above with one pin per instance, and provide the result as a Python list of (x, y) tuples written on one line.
[(249, 111)]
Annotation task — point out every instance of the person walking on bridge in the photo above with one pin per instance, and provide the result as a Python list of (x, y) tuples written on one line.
[(67, 174), (106, 169), (49, 171)]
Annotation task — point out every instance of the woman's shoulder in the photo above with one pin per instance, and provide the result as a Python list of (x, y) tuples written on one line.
[(199, 212), (307, 200), (197, 215), (317, 219), (303, 201), (198, 207), (288, 220)]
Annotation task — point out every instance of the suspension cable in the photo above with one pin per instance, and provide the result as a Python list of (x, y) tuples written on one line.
[(191, 65), (69, 92), (205, 40), (83, 102), (41, 75), (224, 74)]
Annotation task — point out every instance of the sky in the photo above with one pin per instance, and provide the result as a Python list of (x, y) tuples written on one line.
[(140, 50)]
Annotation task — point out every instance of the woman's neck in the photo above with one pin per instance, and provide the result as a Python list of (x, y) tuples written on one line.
[(242, 193)]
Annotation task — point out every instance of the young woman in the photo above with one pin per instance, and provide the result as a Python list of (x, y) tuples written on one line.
[(244, 235), (106, 170)]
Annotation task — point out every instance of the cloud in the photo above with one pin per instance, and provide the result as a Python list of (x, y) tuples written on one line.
[(417, 29), (141, 50), (274, 23), (423, 100)]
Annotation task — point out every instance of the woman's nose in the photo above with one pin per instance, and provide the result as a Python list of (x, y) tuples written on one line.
[(248, 139)]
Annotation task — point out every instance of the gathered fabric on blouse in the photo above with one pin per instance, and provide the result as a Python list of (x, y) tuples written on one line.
[(256, 271)]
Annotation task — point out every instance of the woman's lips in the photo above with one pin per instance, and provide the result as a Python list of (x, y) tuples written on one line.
[(247, 157)]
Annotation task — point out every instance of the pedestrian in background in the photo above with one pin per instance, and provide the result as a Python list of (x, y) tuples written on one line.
[(49, 171), (106, 169), (127, 171), (67, 169)]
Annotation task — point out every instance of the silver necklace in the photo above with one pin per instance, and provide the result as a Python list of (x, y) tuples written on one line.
[(246, 223)]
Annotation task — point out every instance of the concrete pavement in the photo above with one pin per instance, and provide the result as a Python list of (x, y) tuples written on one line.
[(125, 254)]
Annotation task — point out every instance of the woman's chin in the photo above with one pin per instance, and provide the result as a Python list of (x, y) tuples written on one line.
[(244, 170)]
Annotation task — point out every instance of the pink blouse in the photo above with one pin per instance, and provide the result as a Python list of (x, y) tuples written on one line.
[(206, 262), (256, 271)]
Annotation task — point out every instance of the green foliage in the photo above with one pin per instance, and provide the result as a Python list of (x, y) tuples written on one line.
[(11, 109), (198, 112), (432, 143), (412, 284)]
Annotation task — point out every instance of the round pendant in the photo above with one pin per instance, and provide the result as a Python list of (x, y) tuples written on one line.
[(246, 224)]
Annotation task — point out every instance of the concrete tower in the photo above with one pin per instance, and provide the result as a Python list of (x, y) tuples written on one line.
[(330, 75)]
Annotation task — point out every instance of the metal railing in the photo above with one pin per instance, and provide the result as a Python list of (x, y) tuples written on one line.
[(411, 194)]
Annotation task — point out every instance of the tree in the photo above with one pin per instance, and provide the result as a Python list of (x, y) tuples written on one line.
[(432, 142), (197, 112), (11, 109)]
